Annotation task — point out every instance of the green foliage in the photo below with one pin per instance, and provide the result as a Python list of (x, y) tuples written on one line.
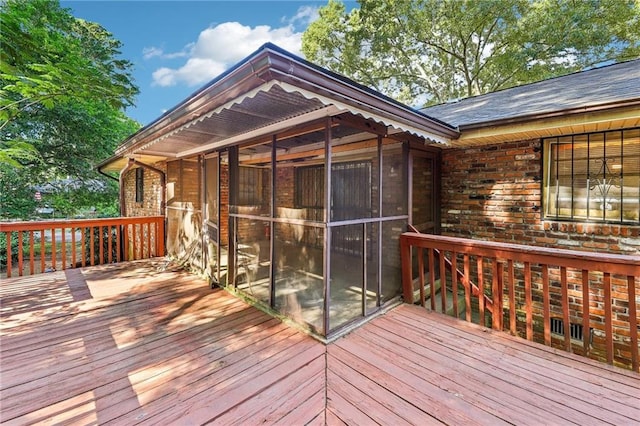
[(431, 51), (63, 91), (48, 57)]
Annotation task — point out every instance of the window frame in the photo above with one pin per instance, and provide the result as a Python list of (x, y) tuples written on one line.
[(139, 185), (597, 167)]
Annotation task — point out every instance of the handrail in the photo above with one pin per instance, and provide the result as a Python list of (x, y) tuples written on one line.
[(475, 290), (45, 244), (541, 284)]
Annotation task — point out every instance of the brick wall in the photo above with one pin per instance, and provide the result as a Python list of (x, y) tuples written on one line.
[(152, 193), (495, 193)]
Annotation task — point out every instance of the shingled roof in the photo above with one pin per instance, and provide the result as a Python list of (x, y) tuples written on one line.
[(607, 85)]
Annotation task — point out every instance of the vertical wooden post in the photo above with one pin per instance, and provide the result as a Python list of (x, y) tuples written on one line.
[(443, 283), (9, 256), (432, 279), (467, 287), (546, 311), (63, 247), (566, 319), (512, 297), (481, 301), (421, 282), (454, 282), (20, 254), (32, 254), (586, 327), (101, 243), (633, 322), (608, 316), (528, 300)]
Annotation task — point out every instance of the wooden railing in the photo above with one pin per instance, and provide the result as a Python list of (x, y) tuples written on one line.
[(579, 301), (44, 246)]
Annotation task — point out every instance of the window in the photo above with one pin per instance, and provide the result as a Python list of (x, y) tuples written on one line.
[(593, 177), (139, 185), (309, 187), (250, 185)]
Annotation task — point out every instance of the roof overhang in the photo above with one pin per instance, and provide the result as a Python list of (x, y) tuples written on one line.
[(581, 120), (268, 92)]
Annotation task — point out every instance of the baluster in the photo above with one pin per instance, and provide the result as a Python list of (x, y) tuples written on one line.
[(633, 321), (9, 254), (496, 290), (20, 254), (421, 275), (467, 287), (118, 246), (432, 280), (54, 251), (148, 239), (92, 253), (512, 297), (73, 247), (480, 283), (546, 305), (42, 251), (135, 241), (32, 254), (454, 282), (443, 283), (110, 243), (565, 309), (528, 300), (608, 316), (101, 248), (83, 249), (586, 327), (63, 247)]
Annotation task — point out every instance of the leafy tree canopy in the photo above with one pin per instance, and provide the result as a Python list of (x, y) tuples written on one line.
[(63, 91), (431, 51)]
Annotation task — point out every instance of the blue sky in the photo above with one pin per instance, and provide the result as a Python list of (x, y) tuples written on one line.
[(178, 46)]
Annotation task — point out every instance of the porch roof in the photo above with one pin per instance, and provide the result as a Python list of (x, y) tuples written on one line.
[(269, 91)]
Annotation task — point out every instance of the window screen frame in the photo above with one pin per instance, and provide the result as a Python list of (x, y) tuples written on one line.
[(596, 169)]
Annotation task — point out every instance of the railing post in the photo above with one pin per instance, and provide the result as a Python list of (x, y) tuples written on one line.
[(405, 260)]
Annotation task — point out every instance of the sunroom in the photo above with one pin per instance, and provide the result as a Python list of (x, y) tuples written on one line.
[(291, 185)]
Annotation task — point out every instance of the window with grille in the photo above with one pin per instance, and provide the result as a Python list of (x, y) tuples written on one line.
[(250, 185), (593, 177), (139, 185), (309, 187)]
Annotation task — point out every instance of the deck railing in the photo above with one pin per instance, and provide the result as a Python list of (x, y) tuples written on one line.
[(44, 246), (583, 302)]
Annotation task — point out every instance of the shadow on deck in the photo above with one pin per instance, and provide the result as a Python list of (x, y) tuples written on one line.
[(140, 343)]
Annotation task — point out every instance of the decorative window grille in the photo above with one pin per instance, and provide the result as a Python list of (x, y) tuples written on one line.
[(593, 177), (139, 185)]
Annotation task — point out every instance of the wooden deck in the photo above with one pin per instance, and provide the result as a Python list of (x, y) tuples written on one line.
[(137, 343)]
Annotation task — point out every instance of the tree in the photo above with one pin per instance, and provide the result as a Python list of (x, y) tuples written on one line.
[(431, 51), (63, 91)]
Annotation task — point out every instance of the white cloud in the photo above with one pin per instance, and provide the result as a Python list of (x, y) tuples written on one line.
[(223, 45), (304, 16), (153, 52)]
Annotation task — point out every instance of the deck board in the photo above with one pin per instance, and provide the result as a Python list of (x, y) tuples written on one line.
[(134, 342), (480, 373), (147, 343)]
